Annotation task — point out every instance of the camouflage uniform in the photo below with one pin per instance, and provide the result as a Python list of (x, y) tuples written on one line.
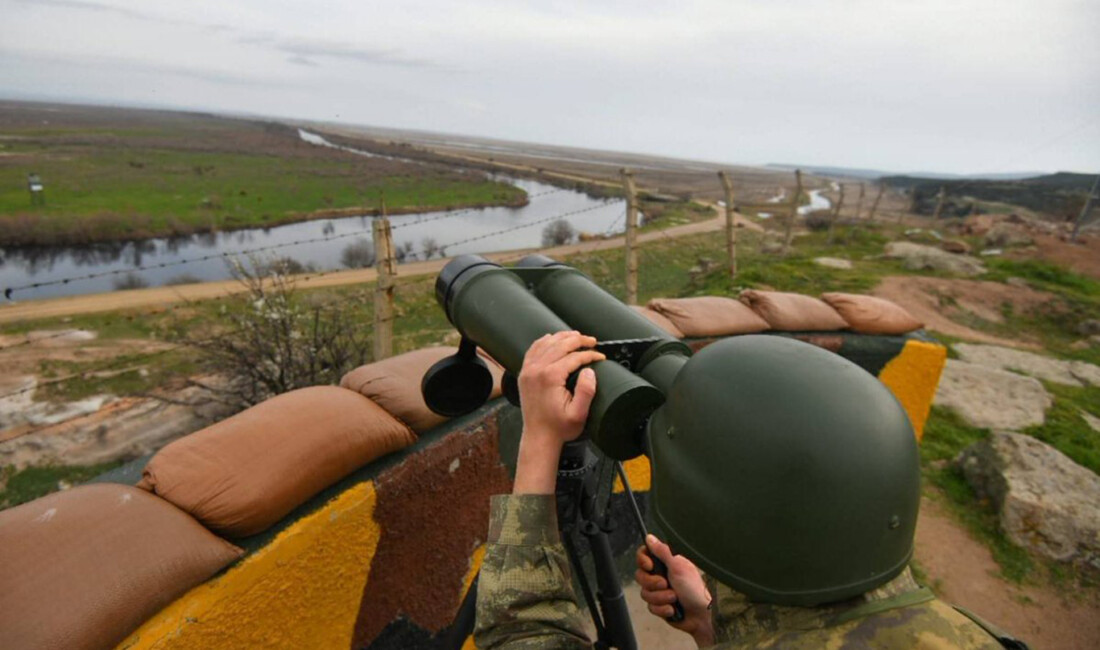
[(526, 600)]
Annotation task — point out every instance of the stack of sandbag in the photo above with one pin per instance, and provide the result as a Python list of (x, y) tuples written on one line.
[(245, 473), (760, 311), (394, 384), (83, 568)]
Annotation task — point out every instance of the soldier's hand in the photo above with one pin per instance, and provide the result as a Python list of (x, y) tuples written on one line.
[(552, 415), (686, 586), (549, 409)]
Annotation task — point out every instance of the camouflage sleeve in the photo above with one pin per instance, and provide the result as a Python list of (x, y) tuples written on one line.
[(525, 596)]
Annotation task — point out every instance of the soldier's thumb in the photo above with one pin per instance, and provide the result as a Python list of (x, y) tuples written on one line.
[(659, 549)]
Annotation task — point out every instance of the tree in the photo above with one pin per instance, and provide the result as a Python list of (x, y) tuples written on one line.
[(558, 233), (270, 340)]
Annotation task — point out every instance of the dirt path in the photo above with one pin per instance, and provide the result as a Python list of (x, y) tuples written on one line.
[(962, 571), (163, 296)]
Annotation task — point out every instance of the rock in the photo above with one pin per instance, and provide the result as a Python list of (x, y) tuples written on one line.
[(956, 246), (1070, 373), (917, 258), (833, 262), (990, 398), (1005, 235), (772, 243), (978, 224), (991, 252), (1047, 502), (1019, 283), (1089, 327)]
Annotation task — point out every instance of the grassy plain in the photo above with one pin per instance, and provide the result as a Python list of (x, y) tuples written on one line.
[(113, 174)]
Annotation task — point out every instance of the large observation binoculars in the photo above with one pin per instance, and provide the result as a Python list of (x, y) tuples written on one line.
[(504, 310)]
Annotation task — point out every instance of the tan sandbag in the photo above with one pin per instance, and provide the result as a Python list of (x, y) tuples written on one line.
[(394, 384), (81, 569), (871, 315), (793, 312), (659, 320), (243, 474), (708, 316)]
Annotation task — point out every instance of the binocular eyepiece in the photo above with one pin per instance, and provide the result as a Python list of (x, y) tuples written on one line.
[(504, 310)]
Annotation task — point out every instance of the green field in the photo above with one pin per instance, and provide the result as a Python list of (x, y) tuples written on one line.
[(107, 178)]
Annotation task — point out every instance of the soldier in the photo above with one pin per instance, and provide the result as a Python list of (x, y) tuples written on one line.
[(782, 599)]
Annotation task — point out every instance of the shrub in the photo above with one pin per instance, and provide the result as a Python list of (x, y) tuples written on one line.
[(358, 254), (819, 220), (558, 233)]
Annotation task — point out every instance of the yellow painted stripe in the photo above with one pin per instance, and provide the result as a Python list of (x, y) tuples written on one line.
[(302, 590), (913, 376), (637, 472)]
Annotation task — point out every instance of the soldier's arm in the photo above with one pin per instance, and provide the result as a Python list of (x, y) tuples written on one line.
[(525, 595)]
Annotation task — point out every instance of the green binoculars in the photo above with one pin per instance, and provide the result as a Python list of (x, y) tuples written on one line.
[(504, 310)]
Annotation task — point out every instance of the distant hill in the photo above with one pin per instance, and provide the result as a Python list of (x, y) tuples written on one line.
[(857, 172), (1060, 194)]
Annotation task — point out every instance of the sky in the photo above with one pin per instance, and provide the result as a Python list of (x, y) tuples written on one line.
[(961, 86)]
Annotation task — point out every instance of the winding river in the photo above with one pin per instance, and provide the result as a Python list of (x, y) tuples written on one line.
[(319, 243)]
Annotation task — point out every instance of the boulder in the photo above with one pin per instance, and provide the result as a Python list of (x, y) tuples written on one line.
[(1069, 373), (832, 262), (917, 257), (1046, 502), (1005, 235), (1089, 327), (956, 246), (990, 398), (978, 224)]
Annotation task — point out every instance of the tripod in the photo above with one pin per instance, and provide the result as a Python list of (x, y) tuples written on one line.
[(583, 489)]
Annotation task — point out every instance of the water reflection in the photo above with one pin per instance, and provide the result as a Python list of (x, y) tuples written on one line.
[(318, 243)]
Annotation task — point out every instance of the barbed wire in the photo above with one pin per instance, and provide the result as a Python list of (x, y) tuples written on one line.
[(8, 291)]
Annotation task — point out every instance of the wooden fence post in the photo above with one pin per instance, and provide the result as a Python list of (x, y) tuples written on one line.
[(859, 201), (731, 227), (386, 265), (874, 204), (631, 237), (1085, 209), (794, 211), (836, 212), (940, 198)]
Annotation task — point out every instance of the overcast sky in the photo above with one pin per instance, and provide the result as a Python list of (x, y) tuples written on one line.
[(942, 85)]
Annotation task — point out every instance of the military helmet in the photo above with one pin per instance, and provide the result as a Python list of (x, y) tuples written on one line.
[(785, 471)]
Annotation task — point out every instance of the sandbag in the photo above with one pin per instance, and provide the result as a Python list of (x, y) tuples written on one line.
[(708, 316), (245, 473), (871, 315), (394, 384), (793, 312), (85, 567), (659, 320)]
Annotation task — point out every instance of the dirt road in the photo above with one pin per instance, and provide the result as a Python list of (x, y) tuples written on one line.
[(163, 296)]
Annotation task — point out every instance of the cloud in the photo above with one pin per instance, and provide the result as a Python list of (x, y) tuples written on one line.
[(306, 50), (116, 64)]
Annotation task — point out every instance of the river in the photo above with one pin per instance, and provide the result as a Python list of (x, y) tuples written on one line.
[(318, 243)]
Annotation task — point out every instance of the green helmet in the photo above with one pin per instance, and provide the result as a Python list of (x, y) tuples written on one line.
[(785, 471)]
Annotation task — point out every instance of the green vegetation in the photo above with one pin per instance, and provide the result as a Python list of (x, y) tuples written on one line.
[(28, 484), (204, 174), (1066, 430)]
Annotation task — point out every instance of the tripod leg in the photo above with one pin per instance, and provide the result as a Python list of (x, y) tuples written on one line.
[(616, 617), (463, 625)]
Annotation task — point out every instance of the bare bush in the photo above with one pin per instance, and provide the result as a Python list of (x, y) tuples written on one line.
[(404, 251), (430, 247), (819, 220), (272, 340), (358, 254), (558, 233), (130, 281), (281, 266)]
